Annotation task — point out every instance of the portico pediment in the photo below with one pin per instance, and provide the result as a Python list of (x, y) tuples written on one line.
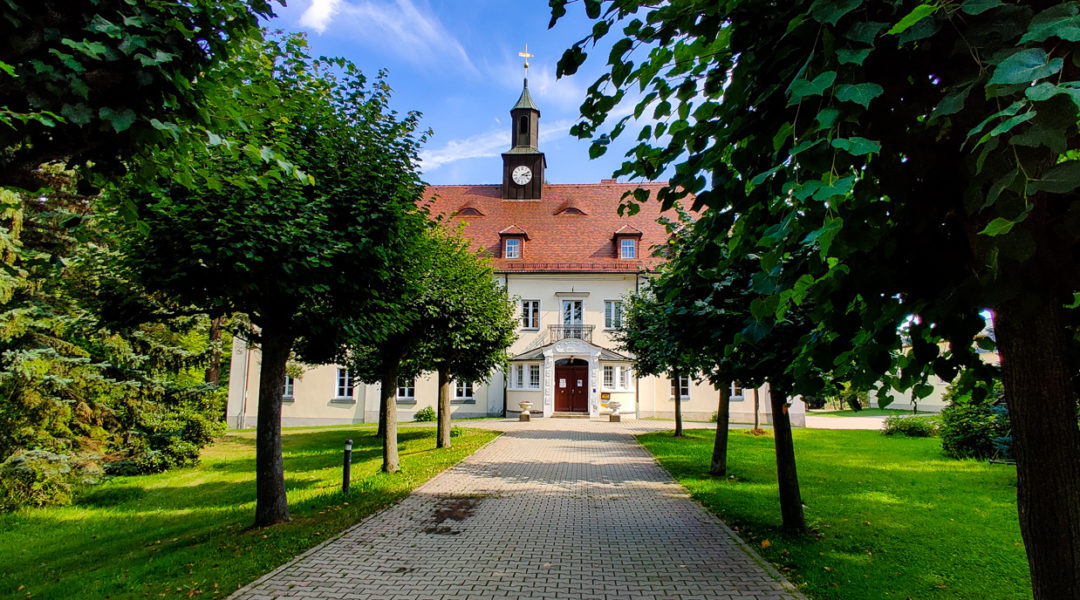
[(572, 346)]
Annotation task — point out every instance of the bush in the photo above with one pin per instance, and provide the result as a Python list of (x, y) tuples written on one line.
[(425, 415), (911, 426), (41, 478), (171, 438), (456, 432), (975, 423), (973, 429)]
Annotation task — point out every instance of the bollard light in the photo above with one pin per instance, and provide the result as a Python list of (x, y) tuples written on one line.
[(346, 468)]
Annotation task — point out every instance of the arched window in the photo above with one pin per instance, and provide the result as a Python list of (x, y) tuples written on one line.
[(523, 125)]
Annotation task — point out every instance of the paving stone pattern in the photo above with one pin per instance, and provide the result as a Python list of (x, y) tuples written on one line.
[(551, 509)]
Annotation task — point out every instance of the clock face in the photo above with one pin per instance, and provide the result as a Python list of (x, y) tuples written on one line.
[(521, 175)]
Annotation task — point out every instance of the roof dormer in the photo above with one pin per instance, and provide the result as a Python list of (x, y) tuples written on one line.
[(512, 242), (626, 240), (568, 208), (468, 211)]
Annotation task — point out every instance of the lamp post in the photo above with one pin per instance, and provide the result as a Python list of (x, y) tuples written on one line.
[(347, 468)]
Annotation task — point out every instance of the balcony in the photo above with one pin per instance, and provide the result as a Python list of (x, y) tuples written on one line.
[(562, 332)]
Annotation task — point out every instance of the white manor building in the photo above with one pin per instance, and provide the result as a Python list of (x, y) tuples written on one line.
[(568, 259)]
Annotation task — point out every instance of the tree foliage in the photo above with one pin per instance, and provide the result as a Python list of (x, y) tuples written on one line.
[(450, 315), (920, 157), (99, 81), (299, 255), (77, 395)]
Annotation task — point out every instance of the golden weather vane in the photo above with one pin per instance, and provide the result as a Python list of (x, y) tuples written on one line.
[(526, 56)]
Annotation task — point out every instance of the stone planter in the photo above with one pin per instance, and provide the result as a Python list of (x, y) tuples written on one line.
[(614, 405), (525, 407)]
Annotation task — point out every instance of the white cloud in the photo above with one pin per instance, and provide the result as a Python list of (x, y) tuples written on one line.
[(400, 27), (317, 16), (484, 145)]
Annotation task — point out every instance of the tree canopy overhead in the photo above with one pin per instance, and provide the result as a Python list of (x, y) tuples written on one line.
[(921, 156), (96, 81)]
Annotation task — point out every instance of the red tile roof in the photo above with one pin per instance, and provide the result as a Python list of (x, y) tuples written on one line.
[(558, 241)]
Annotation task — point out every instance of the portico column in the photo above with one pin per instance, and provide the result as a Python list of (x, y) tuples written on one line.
[(549, 383)]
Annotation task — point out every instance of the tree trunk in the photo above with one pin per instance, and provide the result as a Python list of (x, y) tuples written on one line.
[(678, 405), (718, 466), (388, 412), (271, 503), (757, 409), (213, 367), (443, 440), (1042, 408), (790, 500)]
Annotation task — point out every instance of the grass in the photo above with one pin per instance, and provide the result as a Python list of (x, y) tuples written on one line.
[(866, 412), (187, 532), (891, 517)]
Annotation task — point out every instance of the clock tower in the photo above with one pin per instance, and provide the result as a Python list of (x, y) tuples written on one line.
[(523, 164)]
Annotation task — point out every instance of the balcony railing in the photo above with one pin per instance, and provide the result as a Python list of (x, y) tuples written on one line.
[(561, 332)]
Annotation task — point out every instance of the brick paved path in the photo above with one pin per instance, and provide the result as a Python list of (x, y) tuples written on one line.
[(551, 509)]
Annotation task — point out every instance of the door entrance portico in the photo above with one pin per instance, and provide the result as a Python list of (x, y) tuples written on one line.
[(571, 385), (579, 360)]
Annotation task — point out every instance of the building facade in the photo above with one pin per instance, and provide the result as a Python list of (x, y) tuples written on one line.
[(568, 259)]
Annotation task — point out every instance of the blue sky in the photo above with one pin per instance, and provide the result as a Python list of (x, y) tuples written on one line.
[(456, 61)]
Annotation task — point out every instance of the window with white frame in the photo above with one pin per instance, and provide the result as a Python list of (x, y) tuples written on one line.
[(684, 386), (344, 383), (627, 248), (612, 314), (530, 314), (736, 389), (618, 377), (463, 390), (289, 383), (525, 376), (513, 248), (406, 390)]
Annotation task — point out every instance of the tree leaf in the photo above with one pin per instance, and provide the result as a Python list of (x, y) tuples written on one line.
[(801, 88), (977, 7), (1008, 124), (852, 57), (998, 226), (1060, 179), (857, 146), (859, 93), (1059, 21), (120, 119), (917, 14), (830, 11), (1025, 66), (951, 103)]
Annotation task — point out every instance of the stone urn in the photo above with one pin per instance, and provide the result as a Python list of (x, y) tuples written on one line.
[(614, 405), (525, 407)]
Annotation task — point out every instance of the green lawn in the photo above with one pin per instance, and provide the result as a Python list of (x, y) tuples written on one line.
[(892, 518), (186, 532), (866, 412)]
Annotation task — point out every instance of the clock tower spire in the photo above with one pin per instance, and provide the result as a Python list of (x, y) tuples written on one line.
[(523, 164)]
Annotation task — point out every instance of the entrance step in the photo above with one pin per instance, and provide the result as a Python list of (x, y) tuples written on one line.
[(569, 415)]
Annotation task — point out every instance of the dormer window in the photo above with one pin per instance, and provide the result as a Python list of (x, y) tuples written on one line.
[(469, 211), (513, 238), (513, 248), (626, 239)]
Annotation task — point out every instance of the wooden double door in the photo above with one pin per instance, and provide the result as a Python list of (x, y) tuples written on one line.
[(572, 387)]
